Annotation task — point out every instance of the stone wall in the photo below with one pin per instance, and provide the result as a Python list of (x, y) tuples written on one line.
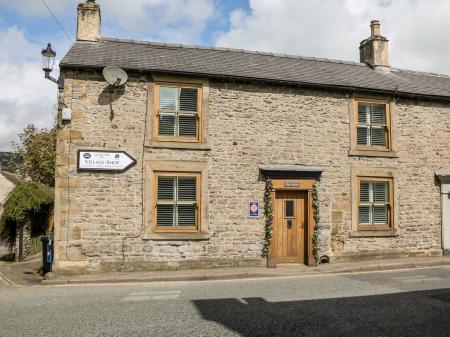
[(100, 216), (22, 246)]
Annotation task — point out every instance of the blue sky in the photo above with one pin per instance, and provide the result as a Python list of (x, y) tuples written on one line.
[(417, 30)]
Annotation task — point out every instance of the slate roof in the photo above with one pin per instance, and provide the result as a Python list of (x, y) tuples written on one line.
[(248, 65)]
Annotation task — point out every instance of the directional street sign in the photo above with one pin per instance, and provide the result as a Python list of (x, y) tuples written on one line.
[(98, 160)]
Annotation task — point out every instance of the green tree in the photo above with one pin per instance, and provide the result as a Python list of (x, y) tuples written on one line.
[(36, 154), (26, 203)]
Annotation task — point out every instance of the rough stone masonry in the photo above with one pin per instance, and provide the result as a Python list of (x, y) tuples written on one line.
[(247, 125), (102, 220)]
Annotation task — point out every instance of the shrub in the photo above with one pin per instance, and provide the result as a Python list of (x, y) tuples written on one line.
[(27, 202)]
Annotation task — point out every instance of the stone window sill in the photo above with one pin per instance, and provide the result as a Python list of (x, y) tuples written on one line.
[(372, 153), (371, 234), (175, 236), (179, 145)]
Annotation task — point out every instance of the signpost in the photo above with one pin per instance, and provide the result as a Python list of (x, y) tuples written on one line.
[(109, 161)]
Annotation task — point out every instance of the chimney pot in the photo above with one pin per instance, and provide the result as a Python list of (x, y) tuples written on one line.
[(375, 27)]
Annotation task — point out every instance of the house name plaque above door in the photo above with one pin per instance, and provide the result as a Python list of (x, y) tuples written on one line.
[(99, 160), (291, 184)]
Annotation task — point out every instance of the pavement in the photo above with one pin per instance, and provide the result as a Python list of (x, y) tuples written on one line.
[(26, 273), (396, 303)]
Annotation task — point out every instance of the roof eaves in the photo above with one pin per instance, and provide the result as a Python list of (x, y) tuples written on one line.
[(277, 81)]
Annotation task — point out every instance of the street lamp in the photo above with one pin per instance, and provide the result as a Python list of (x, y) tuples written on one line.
[(48, 61)]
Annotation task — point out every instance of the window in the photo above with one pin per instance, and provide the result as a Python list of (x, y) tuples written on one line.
[(178, 113), (373, 127), (375, 204), (177, 201), (289, 209)]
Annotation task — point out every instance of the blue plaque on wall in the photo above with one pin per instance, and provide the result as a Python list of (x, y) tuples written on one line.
[(253, 209)]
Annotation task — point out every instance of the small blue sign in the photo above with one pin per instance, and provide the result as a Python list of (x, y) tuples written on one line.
[(49, 253), (253, 209)]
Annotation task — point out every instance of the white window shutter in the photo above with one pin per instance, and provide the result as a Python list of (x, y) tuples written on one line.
[(364, 191), (188, 99), (362, 136), (165, 215), (378, 114), (166, 124), (380, 191), (362, 113), (187, 125), (186, 215), (380, 215), (168, 98), (364, 214), (166, 188), (378, 137), (187, 187)]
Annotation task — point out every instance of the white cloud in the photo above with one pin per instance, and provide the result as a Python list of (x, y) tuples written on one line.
[(25, 96), (166, 20), (35, 7), (174, 20), (418, 30)]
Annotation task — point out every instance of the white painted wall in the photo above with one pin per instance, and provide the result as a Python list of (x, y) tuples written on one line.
[(5, 187)]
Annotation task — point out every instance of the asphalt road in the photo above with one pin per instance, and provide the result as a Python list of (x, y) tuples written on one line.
[(400, 303)]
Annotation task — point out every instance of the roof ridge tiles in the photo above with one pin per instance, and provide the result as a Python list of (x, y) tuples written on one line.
[(418, 72), (263, 53)]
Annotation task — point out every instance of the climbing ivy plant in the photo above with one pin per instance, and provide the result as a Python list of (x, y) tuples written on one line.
[(268, 230), (316, 213)]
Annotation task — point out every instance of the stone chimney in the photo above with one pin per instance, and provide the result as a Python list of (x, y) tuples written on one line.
[(374, 51), (89, 21)]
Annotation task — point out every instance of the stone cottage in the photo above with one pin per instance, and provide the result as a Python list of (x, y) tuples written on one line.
[(7, 183), (213, 136)]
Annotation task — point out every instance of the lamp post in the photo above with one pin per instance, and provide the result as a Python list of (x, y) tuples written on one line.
[(48, 61)]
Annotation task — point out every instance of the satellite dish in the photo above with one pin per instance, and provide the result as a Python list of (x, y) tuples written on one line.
[(115, 76)]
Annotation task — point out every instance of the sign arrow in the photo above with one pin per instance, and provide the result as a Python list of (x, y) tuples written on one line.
[(100, 160)]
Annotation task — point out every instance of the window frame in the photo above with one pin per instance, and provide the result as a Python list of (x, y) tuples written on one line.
[(372, 148), (173, 229), (156, 113), (373, 227)]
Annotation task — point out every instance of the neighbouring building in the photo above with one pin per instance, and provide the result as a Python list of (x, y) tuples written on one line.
[(207, 128), (6, 162), (7, 183)]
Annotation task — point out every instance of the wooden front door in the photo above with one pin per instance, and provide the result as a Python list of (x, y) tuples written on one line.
[(289, 225)]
